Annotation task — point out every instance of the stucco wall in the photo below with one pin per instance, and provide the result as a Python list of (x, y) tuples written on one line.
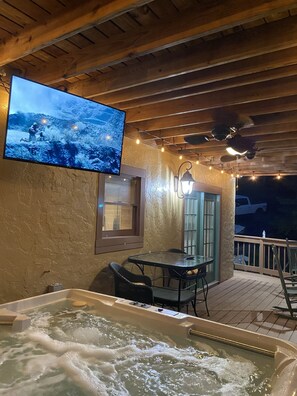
[(48, 219)]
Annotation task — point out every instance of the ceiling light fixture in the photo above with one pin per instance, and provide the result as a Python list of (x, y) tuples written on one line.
[(183, 185), (233, 151)]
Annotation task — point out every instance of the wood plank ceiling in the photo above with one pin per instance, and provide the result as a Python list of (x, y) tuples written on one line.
[(177, 67)]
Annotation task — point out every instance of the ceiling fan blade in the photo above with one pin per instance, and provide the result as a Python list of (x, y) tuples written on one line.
[(244, 121), (196, 139), (229, 158), (241, 144), (232, 119)]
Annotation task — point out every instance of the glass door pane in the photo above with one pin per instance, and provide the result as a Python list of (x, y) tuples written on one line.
[(202, 228)]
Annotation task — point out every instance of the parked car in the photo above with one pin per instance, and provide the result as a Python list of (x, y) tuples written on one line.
[(238, 229), (243, 206)]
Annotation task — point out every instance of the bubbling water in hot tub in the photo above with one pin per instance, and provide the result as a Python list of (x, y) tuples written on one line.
[(75, 352)]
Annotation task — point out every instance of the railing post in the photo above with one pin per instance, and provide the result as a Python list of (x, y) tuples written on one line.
[(261, 256)]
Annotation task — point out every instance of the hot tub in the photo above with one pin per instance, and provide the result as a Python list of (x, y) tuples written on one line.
[(75, 342)]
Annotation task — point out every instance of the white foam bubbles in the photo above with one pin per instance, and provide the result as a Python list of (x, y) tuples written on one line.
[(77, 353)]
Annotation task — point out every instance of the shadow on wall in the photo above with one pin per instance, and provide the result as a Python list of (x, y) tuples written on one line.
[(103, 282)]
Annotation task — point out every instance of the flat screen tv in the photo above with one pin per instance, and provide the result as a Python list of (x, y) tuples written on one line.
[(52, 127)]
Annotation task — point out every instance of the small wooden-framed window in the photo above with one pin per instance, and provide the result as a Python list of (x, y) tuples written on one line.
[(120, 210)]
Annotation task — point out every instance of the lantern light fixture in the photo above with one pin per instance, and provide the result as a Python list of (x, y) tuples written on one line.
[(183, 184)]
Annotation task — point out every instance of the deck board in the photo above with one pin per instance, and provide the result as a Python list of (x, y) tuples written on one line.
[(246, 301)]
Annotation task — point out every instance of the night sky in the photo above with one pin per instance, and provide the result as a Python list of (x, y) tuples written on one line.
[(280, 220)]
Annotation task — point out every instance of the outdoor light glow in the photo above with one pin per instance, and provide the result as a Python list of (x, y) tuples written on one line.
[(231, 151), (137, 141), (180, 157), (210, 167), (187, 187), (197, 162), (162, 149)]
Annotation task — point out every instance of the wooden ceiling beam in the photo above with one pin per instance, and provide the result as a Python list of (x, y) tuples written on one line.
[(60, 26), (209, 150), (209, 80), (177, 134), (237, 82), (276, 117), (190, 25), (228, 97), (255, 43), (198, 117)]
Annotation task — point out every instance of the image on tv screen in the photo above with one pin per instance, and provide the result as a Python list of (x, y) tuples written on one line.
[(53, 127)]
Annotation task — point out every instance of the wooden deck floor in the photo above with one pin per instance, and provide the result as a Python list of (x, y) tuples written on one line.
[(247, 301)]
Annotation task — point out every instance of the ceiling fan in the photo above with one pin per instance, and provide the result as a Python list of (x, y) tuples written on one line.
[(249, 155), (227, 125)]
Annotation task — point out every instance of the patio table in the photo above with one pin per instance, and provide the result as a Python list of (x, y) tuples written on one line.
[(180, 263)]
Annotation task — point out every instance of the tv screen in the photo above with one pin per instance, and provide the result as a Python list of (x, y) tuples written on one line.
[(48, 126)]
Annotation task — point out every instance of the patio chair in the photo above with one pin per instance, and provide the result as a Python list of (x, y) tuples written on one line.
[(289, 291), (131, 286), (190, 277), (139, 288), (292, 256)]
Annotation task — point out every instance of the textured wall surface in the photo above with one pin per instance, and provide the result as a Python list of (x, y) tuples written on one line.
[(48, 220)]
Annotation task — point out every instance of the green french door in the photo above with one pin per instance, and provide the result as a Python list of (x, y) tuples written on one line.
[(202, 228)]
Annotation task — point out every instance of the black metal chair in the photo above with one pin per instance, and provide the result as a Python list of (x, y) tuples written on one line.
[(290, 292), (139, 288), (292, 256), (131, 286), (190, 277)]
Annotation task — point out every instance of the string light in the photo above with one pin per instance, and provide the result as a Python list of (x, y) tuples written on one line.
[(197, 161), (180, 155), (162, 148), (211, 161), (137, 141)]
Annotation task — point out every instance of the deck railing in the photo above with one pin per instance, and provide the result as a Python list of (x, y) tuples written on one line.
[(254, 254)]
